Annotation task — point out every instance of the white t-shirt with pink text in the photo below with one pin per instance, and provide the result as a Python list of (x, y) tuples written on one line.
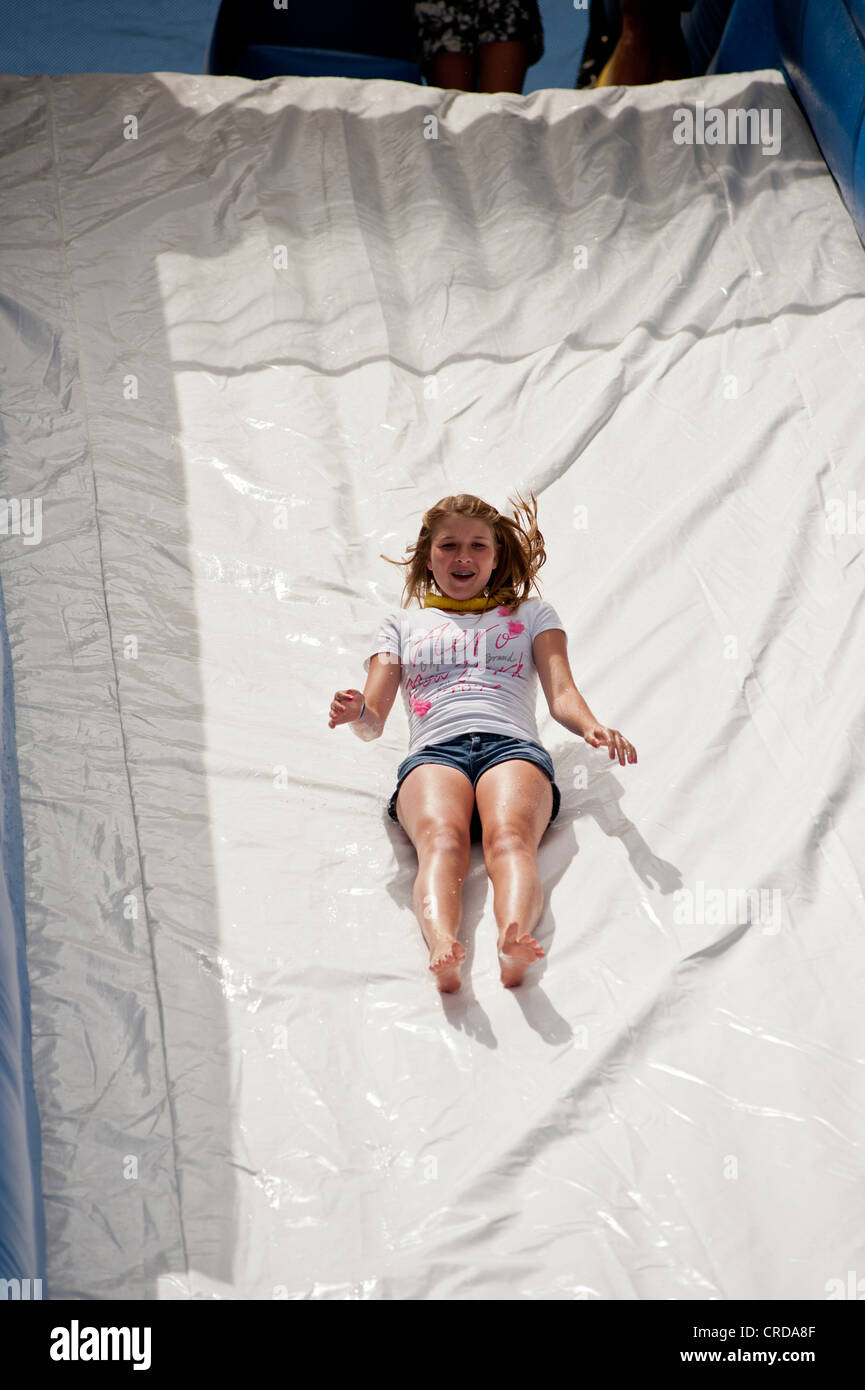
[(468, 672)]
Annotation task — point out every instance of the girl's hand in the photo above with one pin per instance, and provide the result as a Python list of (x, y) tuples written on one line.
[(596, 734), (345, 707)]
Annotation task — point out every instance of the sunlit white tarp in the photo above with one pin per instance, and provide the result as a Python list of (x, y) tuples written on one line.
[(251, 331)]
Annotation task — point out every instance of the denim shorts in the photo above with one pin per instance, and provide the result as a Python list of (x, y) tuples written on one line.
[(473, 754)]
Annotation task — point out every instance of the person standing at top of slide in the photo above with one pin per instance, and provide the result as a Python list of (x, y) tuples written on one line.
[(478, 45), (467, 665)]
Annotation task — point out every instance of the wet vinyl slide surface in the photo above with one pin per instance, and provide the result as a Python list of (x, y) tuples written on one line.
[(251, 332)]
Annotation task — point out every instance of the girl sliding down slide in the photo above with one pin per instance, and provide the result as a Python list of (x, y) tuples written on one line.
[(467, 664)]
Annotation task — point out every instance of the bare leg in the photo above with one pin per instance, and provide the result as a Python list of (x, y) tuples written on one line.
[(454, 70), (434, 807), (651, 47), (518, 900), (502, 66), (514, 800), (443, 863)]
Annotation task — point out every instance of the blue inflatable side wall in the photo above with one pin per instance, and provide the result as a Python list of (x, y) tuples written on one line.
[(819, 45), (22, 1220)]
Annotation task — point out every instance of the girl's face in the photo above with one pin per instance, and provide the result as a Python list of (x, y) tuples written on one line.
[(462, 545)]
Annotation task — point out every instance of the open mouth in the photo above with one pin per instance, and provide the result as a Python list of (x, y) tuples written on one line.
[(462, 578)]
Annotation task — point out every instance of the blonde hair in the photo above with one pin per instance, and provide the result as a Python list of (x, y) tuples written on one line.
[(519, 547)]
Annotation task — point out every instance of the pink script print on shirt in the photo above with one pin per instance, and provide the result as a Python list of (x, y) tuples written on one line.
[(422, 707)]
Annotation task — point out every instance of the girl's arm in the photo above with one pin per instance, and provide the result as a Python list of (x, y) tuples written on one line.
[(382, 683), (567, 706)]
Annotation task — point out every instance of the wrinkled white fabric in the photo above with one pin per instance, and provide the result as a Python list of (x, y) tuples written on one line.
[(250, 333)]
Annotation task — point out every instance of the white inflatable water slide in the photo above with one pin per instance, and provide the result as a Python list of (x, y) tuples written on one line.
[(251, 331)]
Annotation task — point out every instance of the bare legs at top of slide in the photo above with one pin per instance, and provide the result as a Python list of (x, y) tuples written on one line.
[(501, 67)]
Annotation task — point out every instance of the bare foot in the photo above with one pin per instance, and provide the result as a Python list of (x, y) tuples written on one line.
[(516, 954), (445, 961)]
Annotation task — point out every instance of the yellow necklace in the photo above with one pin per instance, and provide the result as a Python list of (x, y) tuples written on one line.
[(460, 605)]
